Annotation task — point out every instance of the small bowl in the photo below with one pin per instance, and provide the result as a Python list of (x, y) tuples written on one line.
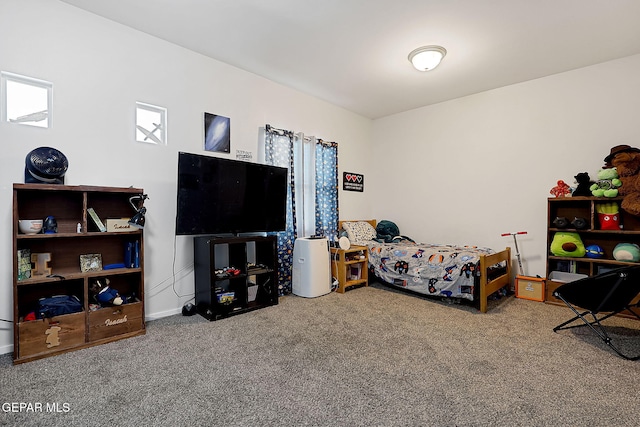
[(30, 226)]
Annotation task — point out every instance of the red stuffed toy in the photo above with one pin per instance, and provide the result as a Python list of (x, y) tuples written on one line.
[(561, 190)]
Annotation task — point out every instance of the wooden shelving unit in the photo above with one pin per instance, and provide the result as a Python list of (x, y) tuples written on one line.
[(592, 234), (350, 266), (48, 336)]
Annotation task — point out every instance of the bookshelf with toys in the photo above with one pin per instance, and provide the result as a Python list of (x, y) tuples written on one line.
[(588, 236), (73, 286)]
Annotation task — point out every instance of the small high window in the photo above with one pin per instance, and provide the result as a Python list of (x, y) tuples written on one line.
[(151, 124), (25, 100)]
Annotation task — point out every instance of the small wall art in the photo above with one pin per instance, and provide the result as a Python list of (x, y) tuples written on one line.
[(217, 133), (353, 181), (244, 155)]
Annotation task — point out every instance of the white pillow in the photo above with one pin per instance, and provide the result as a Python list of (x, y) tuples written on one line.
[(359, 232)]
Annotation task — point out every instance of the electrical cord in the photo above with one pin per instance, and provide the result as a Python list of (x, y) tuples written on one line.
[(173, 269), (335, 283), (158, 287)]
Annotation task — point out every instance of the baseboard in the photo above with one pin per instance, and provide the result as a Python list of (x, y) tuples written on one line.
[(6, 349), (161, 314)]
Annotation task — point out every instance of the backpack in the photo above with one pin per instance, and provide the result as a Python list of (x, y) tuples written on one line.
[(58, 305)]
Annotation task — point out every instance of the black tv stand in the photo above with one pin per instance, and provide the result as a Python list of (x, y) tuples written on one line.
[(234, 275)]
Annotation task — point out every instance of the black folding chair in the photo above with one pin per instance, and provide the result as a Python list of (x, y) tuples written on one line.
[(612, 292)]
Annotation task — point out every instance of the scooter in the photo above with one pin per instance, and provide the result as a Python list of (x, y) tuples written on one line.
[(515, 242), (532, 288)]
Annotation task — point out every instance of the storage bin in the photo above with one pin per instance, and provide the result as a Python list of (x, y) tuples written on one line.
[(564, 277), (43, 336), (113, 321)]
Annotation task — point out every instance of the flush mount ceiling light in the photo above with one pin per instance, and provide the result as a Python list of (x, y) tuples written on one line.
[(427, 58)]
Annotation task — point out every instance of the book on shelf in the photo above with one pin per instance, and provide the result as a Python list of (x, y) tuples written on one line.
[(96, 220), (132, 254), (24, 264)]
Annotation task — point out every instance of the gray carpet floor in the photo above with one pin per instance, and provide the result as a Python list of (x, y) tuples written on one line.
[(369, 357)]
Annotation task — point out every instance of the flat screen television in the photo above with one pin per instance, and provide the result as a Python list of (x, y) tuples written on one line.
[(220, 196)]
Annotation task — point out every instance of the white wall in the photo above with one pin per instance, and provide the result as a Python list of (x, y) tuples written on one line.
[(467, 170), (99, 69)]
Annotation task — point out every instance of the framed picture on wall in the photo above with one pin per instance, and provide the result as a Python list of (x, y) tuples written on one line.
[(217, 133), (353, 181)]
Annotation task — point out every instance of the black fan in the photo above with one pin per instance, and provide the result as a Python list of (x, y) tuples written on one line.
[(45, 165)]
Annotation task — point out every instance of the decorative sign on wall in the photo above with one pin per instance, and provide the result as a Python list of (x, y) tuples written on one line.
[(352, 181), (217, 133), (244, 155)]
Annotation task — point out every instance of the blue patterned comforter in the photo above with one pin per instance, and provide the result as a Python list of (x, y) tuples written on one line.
[(430, 269)]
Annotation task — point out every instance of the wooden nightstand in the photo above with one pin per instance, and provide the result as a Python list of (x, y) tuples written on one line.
[(350, 266)]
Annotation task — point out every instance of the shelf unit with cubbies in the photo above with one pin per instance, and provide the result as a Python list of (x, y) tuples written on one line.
[(234, 275), (76, 235), (591, 234)]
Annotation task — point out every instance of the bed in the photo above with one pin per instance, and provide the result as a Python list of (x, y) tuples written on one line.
[(462, 273)]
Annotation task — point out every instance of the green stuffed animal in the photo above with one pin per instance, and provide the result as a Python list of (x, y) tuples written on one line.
[(567, 244), (629, 252), (607, 183)]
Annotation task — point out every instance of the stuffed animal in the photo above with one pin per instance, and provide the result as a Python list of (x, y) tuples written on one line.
[(608, 216), (584, 185), (628, 166), (105, 295), (561, 189), (561, 222), (567, 244), (615, 151), (594, 251), (580, 223), (626, 252), (607, 183), (626, 160)]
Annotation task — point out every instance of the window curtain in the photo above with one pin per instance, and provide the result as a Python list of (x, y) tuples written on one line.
[(304, 156), (312, 198), (326, 197), (279, 152)]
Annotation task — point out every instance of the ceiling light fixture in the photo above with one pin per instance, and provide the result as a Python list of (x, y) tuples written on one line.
[(427, 58)]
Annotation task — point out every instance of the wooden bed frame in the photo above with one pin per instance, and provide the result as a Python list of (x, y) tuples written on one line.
[(488, 285)]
